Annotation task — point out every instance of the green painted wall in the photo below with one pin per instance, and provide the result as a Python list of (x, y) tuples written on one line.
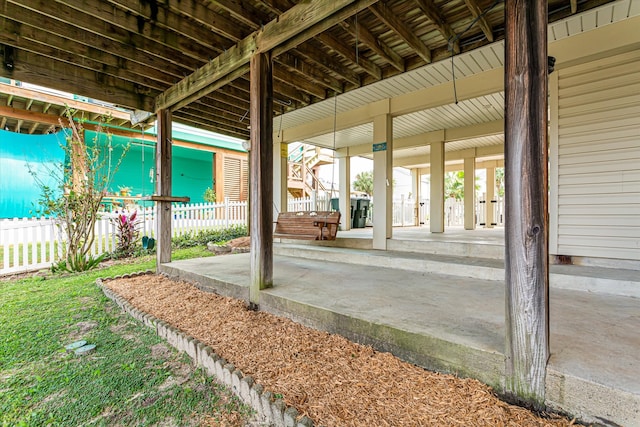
[(192, 170), (19, 191)]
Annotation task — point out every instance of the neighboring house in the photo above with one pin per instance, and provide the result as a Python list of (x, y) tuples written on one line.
[(30, 135)]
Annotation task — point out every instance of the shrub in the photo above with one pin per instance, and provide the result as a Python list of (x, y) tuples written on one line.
[(209, 195), (201, 238), (127, 232)]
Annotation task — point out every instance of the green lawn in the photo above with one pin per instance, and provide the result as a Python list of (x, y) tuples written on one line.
[(132, 378)]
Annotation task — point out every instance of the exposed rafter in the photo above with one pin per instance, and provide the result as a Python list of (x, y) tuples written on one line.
[(291, 24), (387, 16), (312, 50), (127, 52), (433, 13), (362, 34), (574, 6), (349, 53), (475, 10)]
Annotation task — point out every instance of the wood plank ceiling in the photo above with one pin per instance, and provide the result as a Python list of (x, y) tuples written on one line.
[(127, 52)]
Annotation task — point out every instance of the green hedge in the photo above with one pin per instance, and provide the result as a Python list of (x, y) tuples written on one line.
[(201, 238)]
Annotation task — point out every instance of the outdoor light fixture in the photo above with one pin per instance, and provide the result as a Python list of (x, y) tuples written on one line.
[(7, 60)]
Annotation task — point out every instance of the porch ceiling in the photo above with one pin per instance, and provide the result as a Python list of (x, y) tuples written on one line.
[(129, 52)]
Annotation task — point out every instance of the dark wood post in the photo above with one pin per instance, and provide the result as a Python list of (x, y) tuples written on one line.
[(526, 231), (261, 176), (163, 188)]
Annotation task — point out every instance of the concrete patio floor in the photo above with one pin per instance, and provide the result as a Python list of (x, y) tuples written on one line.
[(453, 322)]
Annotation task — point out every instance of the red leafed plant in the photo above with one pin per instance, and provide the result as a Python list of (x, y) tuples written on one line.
[(127, 232)]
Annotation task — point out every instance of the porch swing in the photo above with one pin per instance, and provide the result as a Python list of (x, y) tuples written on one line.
[(310, 225)]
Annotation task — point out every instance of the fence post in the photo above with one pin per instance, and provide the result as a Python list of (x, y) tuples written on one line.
[(226, 212)]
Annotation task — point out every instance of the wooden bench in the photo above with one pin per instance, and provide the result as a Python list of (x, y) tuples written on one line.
[(307, 225)]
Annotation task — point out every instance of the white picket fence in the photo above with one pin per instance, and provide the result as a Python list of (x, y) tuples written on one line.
[(35, 243), (404, 212), (311, 203)]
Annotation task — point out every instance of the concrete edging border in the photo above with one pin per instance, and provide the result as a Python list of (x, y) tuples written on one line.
[(270, 409)]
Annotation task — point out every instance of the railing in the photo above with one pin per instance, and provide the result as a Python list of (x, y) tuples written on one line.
[(404, 211), (311, 203), (35, 243)]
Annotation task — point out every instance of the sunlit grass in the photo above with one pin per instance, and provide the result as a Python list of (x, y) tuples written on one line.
[(123, 382)]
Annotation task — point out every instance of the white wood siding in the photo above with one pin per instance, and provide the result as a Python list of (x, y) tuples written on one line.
[(598, 159)]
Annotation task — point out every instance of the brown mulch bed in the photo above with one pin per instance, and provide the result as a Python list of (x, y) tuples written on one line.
[(326, 377)]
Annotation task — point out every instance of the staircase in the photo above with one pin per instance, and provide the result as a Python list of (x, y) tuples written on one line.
[(303, 163)]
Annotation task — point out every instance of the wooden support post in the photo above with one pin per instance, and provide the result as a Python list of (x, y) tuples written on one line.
[(526, 230), (163, 188), (261, 163)]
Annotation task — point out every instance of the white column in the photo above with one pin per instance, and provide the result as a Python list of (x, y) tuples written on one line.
[(436, 188), (491, 195), (344, 170), (469, 193), (415, 192), (280, 177), (382, 180)]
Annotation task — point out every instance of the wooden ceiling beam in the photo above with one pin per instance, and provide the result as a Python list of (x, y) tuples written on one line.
[(29, 67), (574, 6), (178, 33), (299, 82), (277, 7), (387, 16), (432, 12), (349, 53), (155, 46), (33, 128), (289, 92), (364, 35), (201, 116), (3, 122), (475, 10), (241, 11), (221, 129), (312, 51), (219, 102), (172, 14), (281, 91), (316, 76), (138, 79), (296, 23), (18, 126), (213, 107), (29, 116), (96, 45)]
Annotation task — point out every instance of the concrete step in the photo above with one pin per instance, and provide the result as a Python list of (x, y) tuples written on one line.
[(590, 279), (476, 249)]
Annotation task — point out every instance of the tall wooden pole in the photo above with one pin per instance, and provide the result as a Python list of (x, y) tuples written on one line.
[(526, 231), (163, 188), (261, 164)]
